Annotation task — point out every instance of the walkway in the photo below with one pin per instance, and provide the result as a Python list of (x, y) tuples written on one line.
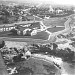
[(2, 67)]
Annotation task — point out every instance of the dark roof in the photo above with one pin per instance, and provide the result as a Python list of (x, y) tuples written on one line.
[(30, 17), (33, 25)]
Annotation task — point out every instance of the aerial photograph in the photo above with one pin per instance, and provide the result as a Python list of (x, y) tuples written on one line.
[(37, 37)]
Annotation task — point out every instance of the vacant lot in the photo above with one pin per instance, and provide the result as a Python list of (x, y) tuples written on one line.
[(41, 35)]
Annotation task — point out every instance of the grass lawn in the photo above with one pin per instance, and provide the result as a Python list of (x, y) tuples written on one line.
[(55, 29), (55, 21), (40, 35), (3, 33)]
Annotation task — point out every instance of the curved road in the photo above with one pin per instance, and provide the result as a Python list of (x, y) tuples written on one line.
[(52, 37)]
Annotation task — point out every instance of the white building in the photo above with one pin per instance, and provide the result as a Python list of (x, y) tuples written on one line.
[(34, 32), (74, 10), (59, 11)]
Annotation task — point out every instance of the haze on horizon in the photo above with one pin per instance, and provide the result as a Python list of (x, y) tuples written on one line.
[(60, 2)]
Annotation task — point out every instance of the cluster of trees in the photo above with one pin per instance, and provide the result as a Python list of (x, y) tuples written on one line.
[(66, 54), (10, 14), (2, 43), (45, 11)]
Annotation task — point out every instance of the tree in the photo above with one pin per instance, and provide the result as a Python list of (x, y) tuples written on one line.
[(2, 43), (5, 15)]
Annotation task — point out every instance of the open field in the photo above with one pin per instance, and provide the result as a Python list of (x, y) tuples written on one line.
[(27, 40), (55, 21), (55, 29), (40, 35), (47, 22)]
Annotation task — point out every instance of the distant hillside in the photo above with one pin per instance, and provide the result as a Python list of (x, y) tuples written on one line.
[(7, 2), (33, 2)]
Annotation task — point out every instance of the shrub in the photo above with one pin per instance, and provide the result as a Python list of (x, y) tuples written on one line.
[(13, 31)]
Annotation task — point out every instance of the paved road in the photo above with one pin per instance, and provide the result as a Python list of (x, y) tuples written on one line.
[(66, 30), (2, 67)]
